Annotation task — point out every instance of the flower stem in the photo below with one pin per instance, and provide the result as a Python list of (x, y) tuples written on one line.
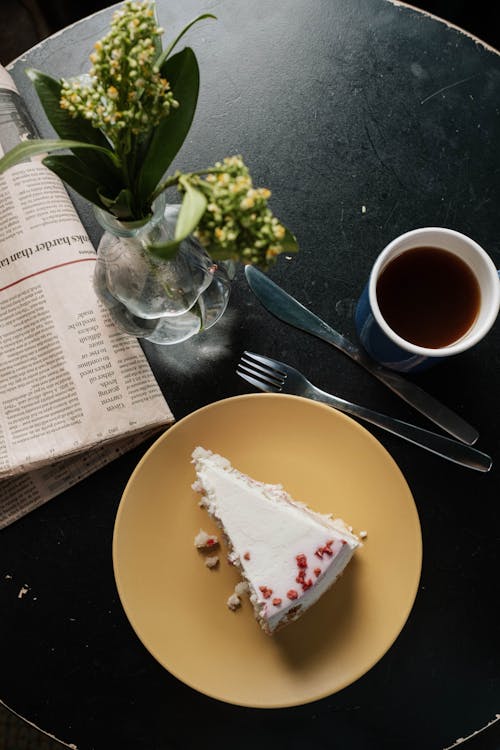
[(174, 180)]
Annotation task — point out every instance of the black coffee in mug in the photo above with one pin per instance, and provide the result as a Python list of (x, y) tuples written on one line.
[(428, 296)]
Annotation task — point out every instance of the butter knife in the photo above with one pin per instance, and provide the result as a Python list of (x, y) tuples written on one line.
[(289, 310)]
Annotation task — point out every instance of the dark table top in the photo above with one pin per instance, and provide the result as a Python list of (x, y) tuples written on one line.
[(366, 119)]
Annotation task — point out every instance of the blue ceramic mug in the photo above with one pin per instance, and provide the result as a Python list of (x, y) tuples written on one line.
[(387, 346)]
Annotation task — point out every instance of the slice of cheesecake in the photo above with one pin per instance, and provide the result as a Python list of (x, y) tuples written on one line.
[(288, 554)]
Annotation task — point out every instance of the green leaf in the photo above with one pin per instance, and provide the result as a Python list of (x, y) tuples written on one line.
[(121, 206), (28, 149), (67, 127), (193, 207), (70, 169), (182, 72), (289, 242), (173, 44)]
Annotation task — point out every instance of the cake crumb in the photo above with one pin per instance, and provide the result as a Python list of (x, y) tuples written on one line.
[(204, 541), (363, 534), (22, 591), (212, 562), (234, 602), (241, 588)]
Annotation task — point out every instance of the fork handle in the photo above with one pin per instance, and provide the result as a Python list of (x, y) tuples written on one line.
[(442, 446)]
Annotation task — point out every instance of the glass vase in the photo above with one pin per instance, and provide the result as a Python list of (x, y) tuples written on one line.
[(163, 301)]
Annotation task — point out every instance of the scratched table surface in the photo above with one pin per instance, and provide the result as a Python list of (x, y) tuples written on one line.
[(366, 119)]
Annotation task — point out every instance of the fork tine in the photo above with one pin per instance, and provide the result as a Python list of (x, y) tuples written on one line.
[(271, 364), (262, 384), (260, 373), (255, 368)]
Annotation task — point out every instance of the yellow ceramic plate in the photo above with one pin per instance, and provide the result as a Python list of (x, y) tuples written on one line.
[(177, 606)]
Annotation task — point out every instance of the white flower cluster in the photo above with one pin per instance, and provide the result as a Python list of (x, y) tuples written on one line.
[(126, 90)]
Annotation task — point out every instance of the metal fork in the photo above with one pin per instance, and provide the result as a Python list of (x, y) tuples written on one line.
[(276, 377)]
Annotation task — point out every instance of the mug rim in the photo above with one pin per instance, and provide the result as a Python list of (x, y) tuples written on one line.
[(464, 342)]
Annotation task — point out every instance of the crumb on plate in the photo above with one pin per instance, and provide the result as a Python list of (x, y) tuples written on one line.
[(203, 540), (234, 602), (241, 588)]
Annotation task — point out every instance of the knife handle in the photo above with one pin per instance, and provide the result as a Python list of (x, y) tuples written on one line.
[(441, 445), (426, 404)]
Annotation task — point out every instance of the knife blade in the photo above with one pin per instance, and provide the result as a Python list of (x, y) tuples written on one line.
[(286, 308)]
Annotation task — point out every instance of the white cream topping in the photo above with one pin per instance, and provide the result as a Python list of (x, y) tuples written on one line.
[(282, 546)]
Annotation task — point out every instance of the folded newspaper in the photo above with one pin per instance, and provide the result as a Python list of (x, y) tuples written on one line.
[(75, 392)]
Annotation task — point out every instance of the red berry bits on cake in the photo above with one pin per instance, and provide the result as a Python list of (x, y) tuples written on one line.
[(326, 549), (266, 592)]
